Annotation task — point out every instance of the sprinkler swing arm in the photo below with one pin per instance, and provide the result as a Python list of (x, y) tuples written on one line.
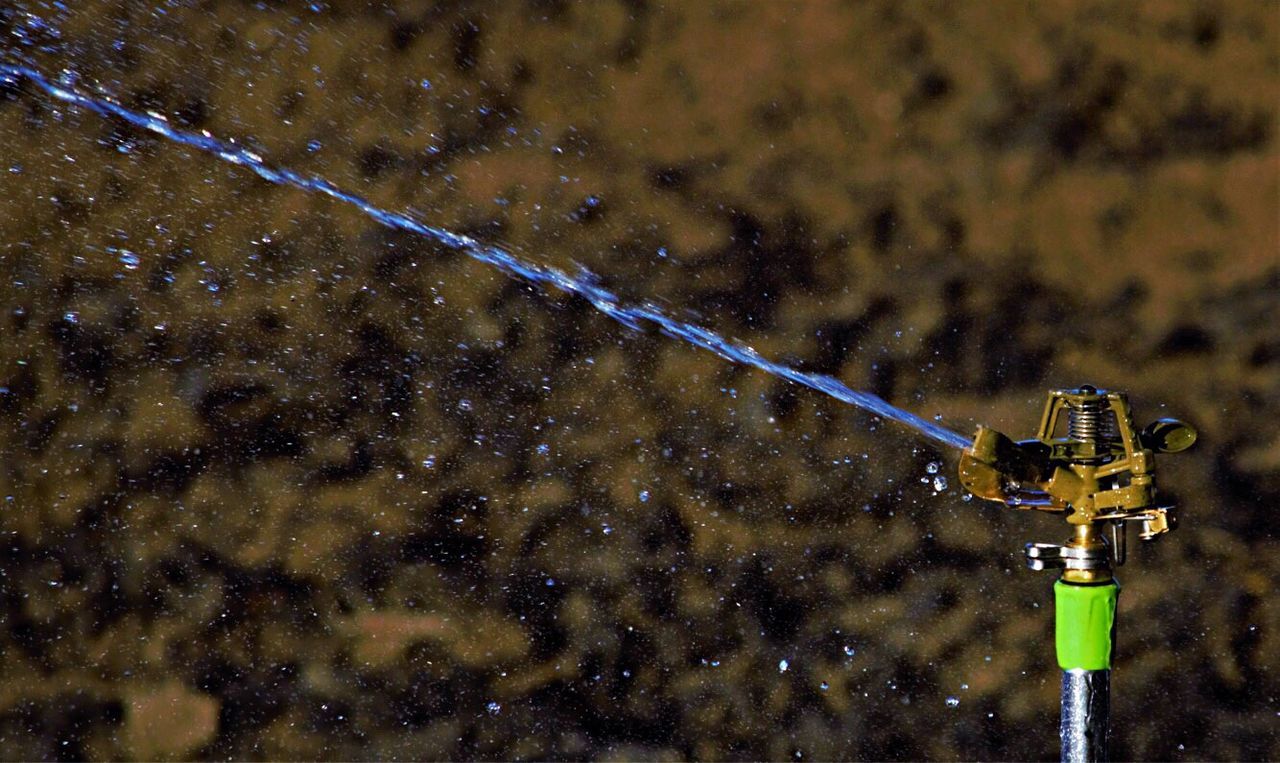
[(1100, 473)]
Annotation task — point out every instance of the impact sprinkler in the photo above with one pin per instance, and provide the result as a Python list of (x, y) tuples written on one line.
[(1101, 475)]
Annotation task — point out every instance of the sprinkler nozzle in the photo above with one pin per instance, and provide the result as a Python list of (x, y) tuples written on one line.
[(1091, 464)]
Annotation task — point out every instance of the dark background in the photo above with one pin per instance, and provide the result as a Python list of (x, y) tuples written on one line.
[(295, 486)]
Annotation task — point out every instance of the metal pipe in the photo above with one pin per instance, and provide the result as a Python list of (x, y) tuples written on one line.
[(1084, 626), (1086, 715)]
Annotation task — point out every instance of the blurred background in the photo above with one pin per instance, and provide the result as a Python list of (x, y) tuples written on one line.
[(279, 483)]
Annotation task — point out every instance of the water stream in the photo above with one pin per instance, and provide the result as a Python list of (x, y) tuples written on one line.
[(638, 316)]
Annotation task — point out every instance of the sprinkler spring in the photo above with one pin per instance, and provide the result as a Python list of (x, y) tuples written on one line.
[(1089, 421)]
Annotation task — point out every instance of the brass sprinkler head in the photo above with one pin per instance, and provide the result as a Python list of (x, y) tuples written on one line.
[(1100, 472)]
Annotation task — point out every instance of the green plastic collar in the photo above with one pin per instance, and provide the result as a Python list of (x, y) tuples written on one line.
[(1085, 624)]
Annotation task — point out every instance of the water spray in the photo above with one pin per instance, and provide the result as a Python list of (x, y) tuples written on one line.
[(1100, 473), (637, 317)]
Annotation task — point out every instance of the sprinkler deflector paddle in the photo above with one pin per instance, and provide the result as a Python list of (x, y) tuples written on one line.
[(1098, 470)]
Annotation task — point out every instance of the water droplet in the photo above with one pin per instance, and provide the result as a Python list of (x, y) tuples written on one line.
[(939, 483), (71, 316), (543, 449), (429, 462), (933, 467), (551, 582), (644, 496), (849, 651), (493, 708), (425, 84), (824, 686), (464, 405), (953, 701), (783, 665), (129, 259)]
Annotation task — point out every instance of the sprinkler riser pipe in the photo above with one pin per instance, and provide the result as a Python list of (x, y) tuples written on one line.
[(1084, 636), (1086, 715)]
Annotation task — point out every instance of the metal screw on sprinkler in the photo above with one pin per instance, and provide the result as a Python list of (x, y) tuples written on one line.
[(1101, 474)]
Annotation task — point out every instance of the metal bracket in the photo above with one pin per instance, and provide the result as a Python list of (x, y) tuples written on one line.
[(1043, 556)]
